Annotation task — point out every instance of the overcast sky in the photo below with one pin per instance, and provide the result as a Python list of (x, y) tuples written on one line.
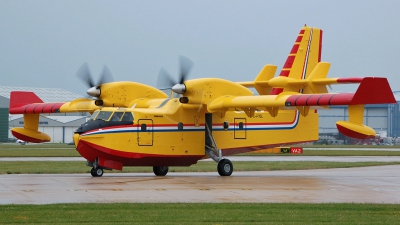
[(43, 43)]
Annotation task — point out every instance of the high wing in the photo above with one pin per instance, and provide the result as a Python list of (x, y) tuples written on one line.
[(372, 90), (114, 94), (24, 102), (29, 104)]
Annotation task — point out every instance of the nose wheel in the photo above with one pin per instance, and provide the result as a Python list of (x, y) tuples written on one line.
[(225, 167), (96, 172)]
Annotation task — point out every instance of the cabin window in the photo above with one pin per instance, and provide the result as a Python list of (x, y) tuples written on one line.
[(127, 117), (241, 126), (143, 127), (180, 126), (104, 115), (226, 125)]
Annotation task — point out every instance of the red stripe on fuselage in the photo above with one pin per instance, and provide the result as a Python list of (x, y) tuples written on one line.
[(91, 151)]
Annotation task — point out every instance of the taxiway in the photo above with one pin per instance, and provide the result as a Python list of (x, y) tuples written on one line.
[(378, 184)]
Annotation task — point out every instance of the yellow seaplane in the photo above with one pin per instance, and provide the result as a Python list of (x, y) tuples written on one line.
[(133, 124)]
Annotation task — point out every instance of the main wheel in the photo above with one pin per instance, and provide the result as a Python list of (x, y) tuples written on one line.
[(160, 170), (225, 167), (96, 172)]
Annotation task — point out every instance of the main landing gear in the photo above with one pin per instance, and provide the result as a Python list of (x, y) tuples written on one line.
[(225, 167), (160, 170)]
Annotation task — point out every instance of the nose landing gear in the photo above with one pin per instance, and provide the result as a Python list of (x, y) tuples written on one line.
[(96, 172)]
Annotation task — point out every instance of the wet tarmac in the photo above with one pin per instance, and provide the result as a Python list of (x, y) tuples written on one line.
[(378, 184), (272, 158)]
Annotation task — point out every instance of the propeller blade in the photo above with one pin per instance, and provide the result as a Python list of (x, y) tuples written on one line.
[(85, 75), (186, 65), (106, 76), (165, 80)]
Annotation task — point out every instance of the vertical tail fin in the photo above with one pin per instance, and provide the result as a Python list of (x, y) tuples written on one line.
[(304, 56)]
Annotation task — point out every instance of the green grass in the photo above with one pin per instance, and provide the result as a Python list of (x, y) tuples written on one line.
[(201, 213), (332, 153), (38, 150), (349, 146), (36, 146), (48, 167), (73, 153), (64, 150)]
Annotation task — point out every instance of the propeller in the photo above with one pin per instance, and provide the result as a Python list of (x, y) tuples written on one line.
[(85, 75), (165, 81)]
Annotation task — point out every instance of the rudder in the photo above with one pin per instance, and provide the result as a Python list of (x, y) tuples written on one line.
[(303, 57)]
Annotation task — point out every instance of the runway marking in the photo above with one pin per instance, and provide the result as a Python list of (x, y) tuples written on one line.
[(160, 189), (117, 189)]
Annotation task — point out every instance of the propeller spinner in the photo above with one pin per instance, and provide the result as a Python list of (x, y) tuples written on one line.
[(94, 89), (165, 80)]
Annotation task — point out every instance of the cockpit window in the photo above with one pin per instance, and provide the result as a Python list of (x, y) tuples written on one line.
[(103, 115), (116, 116), (127, 117), (93, 116)]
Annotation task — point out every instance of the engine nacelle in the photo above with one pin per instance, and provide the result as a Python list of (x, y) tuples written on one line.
[(29, 135)]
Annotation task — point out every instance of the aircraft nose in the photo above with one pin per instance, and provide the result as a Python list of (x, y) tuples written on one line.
[(94, 91), (76, 140)]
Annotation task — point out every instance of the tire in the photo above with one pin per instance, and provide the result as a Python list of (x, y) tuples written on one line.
[(96, 172), (93, 172), (160, 170), (225, 167)]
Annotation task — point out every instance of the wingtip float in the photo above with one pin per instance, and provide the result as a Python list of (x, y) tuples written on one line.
[(134, 124)]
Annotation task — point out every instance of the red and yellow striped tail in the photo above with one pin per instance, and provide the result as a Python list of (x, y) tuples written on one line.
[(304, 56)]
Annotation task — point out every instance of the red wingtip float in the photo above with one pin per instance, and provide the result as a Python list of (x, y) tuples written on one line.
[(133, 124)]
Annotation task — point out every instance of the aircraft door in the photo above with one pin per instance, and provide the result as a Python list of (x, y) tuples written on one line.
[(240, 128), (145, 132)]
